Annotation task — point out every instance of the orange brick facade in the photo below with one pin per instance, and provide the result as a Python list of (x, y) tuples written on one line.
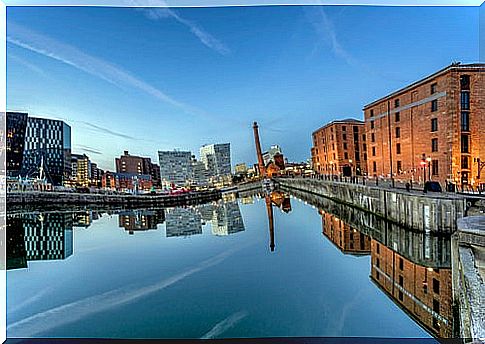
[(339, 148), (346, 238), (425, 293), (433, 129)]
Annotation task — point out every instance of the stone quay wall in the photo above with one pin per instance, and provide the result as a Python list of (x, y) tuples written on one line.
[(431, 212), (16, 199)]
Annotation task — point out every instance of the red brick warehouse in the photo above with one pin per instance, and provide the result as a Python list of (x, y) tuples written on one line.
[(432, 129)]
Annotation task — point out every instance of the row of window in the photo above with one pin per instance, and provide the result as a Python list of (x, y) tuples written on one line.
[(434, 167)]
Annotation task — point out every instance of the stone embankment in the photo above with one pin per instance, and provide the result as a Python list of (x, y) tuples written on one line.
[(431, 212), (468, 266), (16, 199)]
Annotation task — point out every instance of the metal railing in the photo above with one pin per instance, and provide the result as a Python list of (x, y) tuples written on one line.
[(397, 184)]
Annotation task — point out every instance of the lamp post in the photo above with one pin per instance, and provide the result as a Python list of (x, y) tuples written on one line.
[(351, 172), (428, 159), (481, 165), (423, 165)]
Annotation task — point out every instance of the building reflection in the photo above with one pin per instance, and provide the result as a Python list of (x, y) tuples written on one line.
[(421, 287), (227, 219), (84, 218), (33, 236), (423, 293), (224, 216), (348, 239), (182, 222), (140, 220)]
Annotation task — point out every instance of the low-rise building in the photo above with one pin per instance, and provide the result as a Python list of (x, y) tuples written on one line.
[(339, 148)]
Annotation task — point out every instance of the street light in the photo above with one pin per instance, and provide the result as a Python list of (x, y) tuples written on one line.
[(350, 163), (423, 165), (428, 159)]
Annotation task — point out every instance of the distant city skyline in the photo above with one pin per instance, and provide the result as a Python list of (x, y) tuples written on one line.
[(155, 79)]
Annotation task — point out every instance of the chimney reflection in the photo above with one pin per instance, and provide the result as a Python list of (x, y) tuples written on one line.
[(280, 200)]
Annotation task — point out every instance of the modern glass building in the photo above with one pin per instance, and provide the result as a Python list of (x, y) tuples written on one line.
[(217, 159), (47, 143), (175, 167), (16, 125)]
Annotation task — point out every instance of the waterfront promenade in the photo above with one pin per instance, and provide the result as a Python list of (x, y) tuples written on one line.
[(431, 212)]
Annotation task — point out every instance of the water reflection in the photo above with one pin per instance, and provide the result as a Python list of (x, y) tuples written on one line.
[(349, 240), (48, 235), (38, 236), (412, 269), (183, 222), (423, 292), (140, 220)]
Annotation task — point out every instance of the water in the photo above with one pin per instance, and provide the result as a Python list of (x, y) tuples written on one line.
[(211, 272)]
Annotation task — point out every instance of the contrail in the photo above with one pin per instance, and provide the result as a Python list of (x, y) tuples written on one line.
[(74, 311), (224, 325)]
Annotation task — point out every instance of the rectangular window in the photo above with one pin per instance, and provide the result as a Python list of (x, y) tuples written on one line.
[(365, 156), (372, 124), (373, 151), (465, 121), (401, 264), (345, 145), (434, 124), (401, 281), (465, 144), (344, 128), (434, 105), (399, 166), (396, 103), (371, 113), (398, 132), (464, 162), (434, 145), (434, 88), (398, 148), (346, 155), (436, 286), (356, 129), (373, 137), (465, 100), (364, 146), (465, 82), (344, 136), (397, 116), (374, 166), (434, 167)]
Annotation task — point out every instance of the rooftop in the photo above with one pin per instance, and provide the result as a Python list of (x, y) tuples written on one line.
[(453, 66), (340, 121)]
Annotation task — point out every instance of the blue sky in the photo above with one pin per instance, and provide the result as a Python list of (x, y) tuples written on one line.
[(154, 79)]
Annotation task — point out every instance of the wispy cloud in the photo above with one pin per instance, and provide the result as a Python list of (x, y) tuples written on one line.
[(325, 28), (27, 64), (77, 310), (89, 149), (224, 325), (104, 130), (70, 55), (161, 13)]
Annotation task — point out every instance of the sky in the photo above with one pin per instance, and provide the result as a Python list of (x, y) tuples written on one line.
[(149, 79)]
